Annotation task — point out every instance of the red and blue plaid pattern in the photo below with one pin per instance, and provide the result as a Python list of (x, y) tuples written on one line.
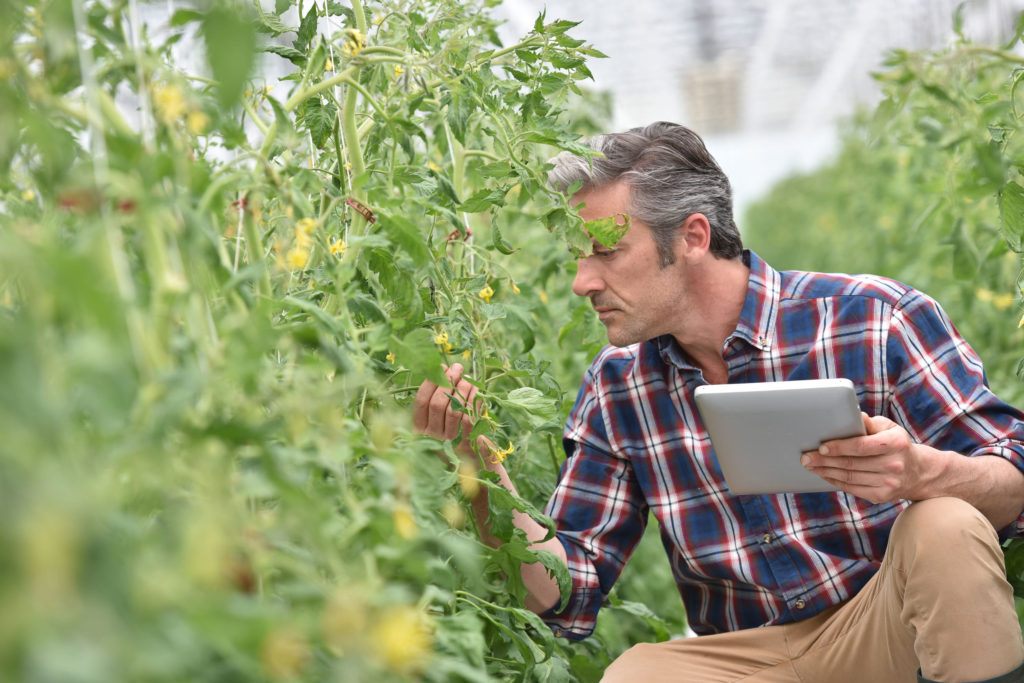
[(636, 445)]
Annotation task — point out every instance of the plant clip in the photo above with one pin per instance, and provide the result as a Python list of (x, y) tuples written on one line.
[(363, 211), (456, 234)]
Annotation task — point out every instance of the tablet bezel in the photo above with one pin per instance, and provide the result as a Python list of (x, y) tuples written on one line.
[(759, 430)]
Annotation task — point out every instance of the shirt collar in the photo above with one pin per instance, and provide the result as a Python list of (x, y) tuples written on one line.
[(757, 319), (761, 306)]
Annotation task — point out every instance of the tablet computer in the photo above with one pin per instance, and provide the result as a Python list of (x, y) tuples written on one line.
[(759, 430)]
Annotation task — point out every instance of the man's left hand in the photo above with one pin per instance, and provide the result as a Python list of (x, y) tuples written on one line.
[(883, 466)]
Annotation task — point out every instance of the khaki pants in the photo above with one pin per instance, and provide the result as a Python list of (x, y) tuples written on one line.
[(939, 602)]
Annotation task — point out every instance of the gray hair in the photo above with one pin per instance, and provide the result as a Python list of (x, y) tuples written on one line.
[(671, 176)]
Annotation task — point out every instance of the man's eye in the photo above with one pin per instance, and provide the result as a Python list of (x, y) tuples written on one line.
[(603, 252)]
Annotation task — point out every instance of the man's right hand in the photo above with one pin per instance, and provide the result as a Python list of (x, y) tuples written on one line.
[(436, 413)]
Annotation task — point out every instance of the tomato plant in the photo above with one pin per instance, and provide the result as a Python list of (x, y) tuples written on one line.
[(218, 295)]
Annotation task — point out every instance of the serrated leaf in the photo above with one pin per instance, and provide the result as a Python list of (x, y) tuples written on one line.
[(560, 572), (268, 23), (483, 200), (445, 186), (319, 119), (607, 231), (405, 234), (307, 29), (290, 53)]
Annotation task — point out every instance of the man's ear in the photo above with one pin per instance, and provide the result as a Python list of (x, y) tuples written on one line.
[(694, 236)]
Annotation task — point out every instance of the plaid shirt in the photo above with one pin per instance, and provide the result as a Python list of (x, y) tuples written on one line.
[(636, 444)]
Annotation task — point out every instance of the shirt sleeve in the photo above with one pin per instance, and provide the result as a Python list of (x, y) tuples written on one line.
[(599, 512), (940, 393)]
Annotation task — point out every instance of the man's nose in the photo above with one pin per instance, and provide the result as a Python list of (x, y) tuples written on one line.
[(586, 281)]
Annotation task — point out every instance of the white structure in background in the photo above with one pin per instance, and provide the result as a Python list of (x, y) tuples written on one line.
[(764, 81)]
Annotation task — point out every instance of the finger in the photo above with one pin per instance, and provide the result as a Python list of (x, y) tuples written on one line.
[(440, 404), (453, 373), (421, 405), (873, 494), (460, 412)]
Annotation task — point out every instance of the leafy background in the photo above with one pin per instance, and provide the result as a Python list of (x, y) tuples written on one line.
[(208, 352)]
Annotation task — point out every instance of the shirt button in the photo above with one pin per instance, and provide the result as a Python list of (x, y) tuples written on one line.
[(767, 538), (800, 604)]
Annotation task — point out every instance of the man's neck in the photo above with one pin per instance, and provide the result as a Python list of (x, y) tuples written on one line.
[(721, 290)]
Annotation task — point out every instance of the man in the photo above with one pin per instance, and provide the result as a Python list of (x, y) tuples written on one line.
[(859, 585)]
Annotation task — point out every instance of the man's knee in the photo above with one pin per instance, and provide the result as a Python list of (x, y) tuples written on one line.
[(942, 525)]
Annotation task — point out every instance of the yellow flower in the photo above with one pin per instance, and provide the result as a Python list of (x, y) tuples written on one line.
[(390, 357), (433, 167), (1002, 301), (378, 19), (329, 66), (486, 293), (1021, 323), (169, 101), (305, 226), (498, 457), (441, 339), (399, 70), (543, 296), (405, 524), (197, 122), (354, 42), (337, 247), (297, 258), (512, 284), (400, 639), (983, 294), (28, 195), (467, 354)]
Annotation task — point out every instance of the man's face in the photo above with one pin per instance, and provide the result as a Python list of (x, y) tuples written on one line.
[(634, 296)]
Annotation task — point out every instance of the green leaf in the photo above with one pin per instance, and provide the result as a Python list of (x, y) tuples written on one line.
[(418, 353), (230, 39), (307, 29), (498, 243), (1011, 215), (184, 16), (532, 401), (607, 231), (268, 23), (560, 572), (406, 234), (495, 311), (483, 200), (445, 186), (318, 119), (290, 53)]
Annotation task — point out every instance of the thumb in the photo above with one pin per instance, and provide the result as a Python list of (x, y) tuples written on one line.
[(876, 424)]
